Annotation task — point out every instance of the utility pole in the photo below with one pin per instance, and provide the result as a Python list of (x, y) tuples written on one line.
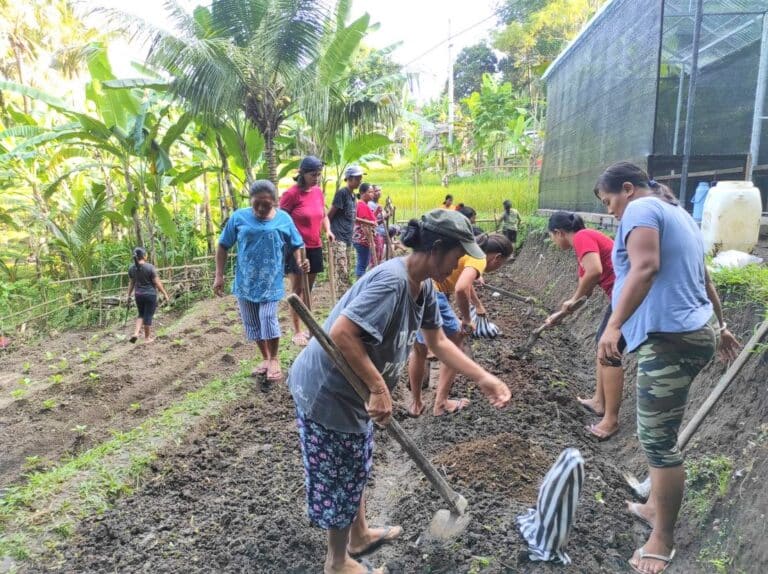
[(450, 85)]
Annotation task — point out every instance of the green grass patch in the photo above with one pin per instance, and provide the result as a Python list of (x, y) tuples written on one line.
[(750, 283), (484, 192), (707, 480)]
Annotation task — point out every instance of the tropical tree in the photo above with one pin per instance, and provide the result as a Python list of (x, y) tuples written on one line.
[(470, 66), (249, 56)]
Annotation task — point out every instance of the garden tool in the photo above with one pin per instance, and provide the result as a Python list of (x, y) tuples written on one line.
[(447, 522), (643, 489), (305, 282), (515, 296), (525, 347)]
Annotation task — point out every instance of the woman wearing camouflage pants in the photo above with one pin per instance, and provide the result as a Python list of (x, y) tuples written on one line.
[(661, 308)]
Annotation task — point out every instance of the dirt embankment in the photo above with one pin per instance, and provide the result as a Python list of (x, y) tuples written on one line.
[(232, 500)]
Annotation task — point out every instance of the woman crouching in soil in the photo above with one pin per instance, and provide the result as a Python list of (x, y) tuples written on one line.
[(374, 325), (593, 254), (263, 235), (660, 307)]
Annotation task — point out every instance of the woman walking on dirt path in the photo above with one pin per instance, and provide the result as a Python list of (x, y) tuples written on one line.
[(145, 282), (263, 235), (342, 217), (593, 254), (496, 249), (360, 235), (305, 203), (379, 232), (374, 326), (660, 307)]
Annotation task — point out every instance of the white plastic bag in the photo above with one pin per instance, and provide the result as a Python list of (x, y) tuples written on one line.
[(734, 259)]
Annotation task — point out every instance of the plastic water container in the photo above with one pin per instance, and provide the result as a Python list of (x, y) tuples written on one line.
[(702, 190), (731, 218)]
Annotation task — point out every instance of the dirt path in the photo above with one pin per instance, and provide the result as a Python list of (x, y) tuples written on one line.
[(232, 499)]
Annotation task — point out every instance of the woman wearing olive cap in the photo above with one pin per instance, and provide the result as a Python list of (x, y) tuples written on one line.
[(374, 326)]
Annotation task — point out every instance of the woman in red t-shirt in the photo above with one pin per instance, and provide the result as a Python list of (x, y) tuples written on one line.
[(359, 234), (593, 253), (305, 203)]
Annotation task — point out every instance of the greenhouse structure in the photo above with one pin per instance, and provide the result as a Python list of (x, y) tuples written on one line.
[(677, 86)]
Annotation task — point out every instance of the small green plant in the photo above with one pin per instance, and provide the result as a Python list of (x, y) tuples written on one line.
[(25, 367), (25, 382), (177, 342), (18, 393), (89, 356), (706, 480), (79, 429), (479, 563), (56, 379), (558, 384), (49, 404), (48, 356), (62, 365), (599, 498), (93, 376), (135, 407), (32, 462), (64, 530)]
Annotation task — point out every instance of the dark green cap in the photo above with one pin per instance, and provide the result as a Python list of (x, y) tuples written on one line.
[(453, 225)]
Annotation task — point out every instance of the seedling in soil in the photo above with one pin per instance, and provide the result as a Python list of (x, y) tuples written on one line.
[(56, 379), (177, 342), (93, 376), (25, 367), (26, 381), (49, 404), (89, 356), (65, 530), (32, 462), (79, 429), (599, 497), (120, 337), (18, 393), (135, 407), (48, 356), (62, 365), (706, 480), (479, 563), (558, 384)]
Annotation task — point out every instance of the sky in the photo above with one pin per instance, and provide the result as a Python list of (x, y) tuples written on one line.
[(417, 25)]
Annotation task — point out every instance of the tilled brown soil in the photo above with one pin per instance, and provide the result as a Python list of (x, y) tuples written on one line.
[(232, 500), (73, 389)]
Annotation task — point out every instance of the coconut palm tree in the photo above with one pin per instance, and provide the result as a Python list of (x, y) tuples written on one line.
[(253, 57)]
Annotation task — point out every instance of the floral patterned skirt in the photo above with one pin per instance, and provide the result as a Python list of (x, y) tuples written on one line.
[(336, 468)]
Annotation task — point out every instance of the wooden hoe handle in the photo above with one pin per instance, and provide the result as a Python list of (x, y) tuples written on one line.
[(394, 428)]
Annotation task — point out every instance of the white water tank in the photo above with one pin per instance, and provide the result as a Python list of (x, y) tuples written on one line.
[(731, 217)]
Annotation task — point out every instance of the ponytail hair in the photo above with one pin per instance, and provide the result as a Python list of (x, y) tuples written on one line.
[(614, 177), (565, 221), (493, 243), (139, 253), (424, 240)]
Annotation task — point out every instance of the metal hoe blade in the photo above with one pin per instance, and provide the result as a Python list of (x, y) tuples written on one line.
[(446, 524)]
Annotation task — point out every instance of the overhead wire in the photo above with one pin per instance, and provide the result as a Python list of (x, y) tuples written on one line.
[(448, 39)]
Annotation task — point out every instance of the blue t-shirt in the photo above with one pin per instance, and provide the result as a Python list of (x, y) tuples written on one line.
[(677, 301), (262, 245), (381, 304)]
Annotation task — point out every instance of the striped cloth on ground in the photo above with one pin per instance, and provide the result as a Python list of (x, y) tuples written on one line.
[(547, 527)]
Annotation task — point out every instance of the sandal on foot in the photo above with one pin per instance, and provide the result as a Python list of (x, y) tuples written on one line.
[(300, 340), (391, 533), (598, 434), (259, 371), (660, 557), (461, 404), (632, 509), (133, 339), (274, 376), (369, 569)]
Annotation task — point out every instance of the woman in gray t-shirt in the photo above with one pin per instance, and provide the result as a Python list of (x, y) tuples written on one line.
[(374, 325)]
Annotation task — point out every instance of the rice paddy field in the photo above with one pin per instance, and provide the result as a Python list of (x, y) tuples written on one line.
[(484, 192)]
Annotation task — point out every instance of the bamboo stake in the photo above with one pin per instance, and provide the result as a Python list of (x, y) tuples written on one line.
[(331, 271), (371, 246), (305, 282)]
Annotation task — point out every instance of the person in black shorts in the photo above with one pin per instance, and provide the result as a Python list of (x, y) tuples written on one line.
[(146, 283)]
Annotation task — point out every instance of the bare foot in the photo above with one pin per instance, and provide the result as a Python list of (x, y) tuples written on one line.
[(450, 407), (261, 369), (374, 539), (274, 373), (351, 566), (416, 409), (603, 431), (149, 340), (643, 512), (592, 405)]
